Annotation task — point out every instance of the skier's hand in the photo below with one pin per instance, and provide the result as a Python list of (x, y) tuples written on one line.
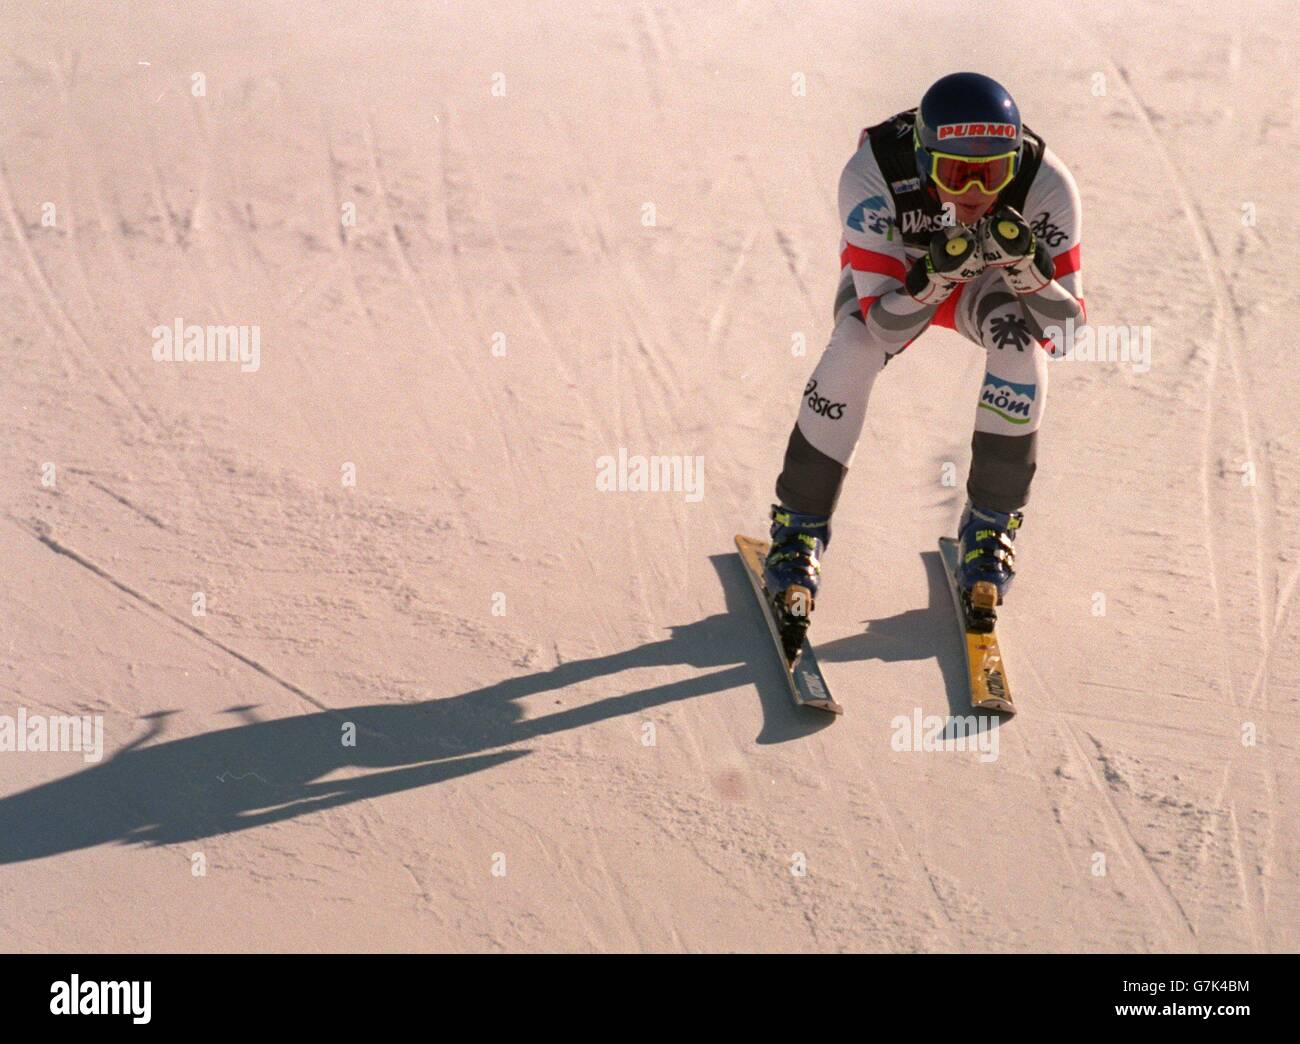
[(953, 257), (1006, 238), (1007, 242)]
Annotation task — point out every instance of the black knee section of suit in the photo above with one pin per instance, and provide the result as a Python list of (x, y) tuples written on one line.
[(810, 481), (1001, 470)]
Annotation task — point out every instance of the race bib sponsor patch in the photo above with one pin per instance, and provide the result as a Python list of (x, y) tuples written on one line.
[(976, 130), (914, 221), (872, 214), (1006, 399)]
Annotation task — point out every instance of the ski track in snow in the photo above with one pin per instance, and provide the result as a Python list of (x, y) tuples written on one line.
[(1226, 334)]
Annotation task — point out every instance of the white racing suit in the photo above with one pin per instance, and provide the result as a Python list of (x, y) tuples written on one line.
[(887, 218)]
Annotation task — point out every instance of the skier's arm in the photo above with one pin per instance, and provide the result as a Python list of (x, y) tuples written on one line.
[(898, 300), (877, 259), (896, 317), (1041, 264)]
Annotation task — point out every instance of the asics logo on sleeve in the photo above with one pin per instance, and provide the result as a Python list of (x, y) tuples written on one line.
[(1051, 234)]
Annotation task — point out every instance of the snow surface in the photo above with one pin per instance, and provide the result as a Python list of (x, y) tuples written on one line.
[(570, 734)]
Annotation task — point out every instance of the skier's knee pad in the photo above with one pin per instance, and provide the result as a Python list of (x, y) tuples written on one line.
[(810, 481), (1001, 470)]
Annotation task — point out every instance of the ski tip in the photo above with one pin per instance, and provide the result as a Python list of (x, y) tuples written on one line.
[(1001, 706), (829, 706)]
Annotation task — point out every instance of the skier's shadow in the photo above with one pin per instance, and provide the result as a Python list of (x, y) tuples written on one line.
[(157, 791), (917, 634)]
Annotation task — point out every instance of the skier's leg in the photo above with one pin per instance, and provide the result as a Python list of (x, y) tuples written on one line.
[(831, 416), (817, 457), (1012, 401), (1012, 398)]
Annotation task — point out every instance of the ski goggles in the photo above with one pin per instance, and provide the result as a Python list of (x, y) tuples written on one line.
[(956, 174)]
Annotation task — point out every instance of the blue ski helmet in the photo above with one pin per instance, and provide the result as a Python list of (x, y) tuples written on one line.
[(966, 114)]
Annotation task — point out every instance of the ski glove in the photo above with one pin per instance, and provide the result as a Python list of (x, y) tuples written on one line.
[(952, 258), (1007, 242)]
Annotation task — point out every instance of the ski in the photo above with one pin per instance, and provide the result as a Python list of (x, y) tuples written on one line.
[(807, 686), (986, 673)]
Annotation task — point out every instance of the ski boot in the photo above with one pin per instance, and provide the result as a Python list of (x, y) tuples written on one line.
[(792, 573), (986, 563)]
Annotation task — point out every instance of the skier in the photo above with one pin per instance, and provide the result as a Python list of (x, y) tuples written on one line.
[(953, 214)]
